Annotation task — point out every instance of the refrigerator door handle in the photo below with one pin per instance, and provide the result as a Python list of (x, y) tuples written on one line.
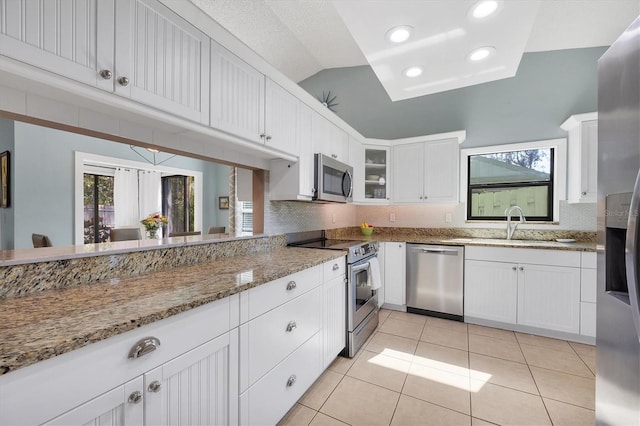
[(631, 255)]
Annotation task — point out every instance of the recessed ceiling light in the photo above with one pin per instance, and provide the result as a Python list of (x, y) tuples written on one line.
[(481, 53), (484, 8), (399, 34), (155, 151), (413, 71)]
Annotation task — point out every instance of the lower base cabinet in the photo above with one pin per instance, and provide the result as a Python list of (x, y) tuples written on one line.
[(269, 399), (527, 288), (193, 389)]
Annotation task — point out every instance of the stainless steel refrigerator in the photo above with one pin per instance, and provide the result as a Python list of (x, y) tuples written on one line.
[(618, 310)]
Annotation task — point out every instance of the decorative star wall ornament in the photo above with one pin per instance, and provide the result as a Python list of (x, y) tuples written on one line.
[(328, 101)]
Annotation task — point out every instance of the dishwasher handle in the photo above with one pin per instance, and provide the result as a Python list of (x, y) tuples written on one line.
[(436, 250)]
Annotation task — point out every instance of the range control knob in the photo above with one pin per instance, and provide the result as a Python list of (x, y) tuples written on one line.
[(356, 252)]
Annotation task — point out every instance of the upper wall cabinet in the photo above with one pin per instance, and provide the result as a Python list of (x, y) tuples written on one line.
[(329, 140), (426, 172), (162, 61), (237, 95), (247, 104), (582, 174)]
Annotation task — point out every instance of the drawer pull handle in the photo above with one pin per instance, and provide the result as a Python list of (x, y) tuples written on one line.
[(143, 347), (291, 326), (336, 266), (135, 397), (291, 380), (154, 386), (291, 285)]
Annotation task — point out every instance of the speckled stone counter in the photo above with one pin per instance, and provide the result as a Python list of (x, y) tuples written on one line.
[(44, 324), (585, 241)]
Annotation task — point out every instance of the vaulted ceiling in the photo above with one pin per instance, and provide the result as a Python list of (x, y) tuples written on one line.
[(302, 37)]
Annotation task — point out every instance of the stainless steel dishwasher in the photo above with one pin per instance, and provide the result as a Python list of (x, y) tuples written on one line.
[(435, 280)]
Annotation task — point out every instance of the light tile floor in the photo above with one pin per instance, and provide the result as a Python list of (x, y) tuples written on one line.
[(417, 370)]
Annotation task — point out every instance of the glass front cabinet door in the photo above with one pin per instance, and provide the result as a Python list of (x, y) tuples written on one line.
[(376, 174)]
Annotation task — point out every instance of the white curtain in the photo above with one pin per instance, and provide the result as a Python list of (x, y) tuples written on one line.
[(149, 187), (125, 198)]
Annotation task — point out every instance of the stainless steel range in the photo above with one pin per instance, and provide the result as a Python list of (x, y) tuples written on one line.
[(362, 295)]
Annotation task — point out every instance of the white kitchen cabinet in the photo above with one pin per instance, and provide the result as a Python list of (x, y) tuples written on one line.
[(199, 387), (539, 289), (195, 388), (247, 104), (328, 139), (134, 48), (490, 291), (74, 39), (117, 407), (426, 172), (99, 378), (334, 291), (237, 95), (281, 115), (582, 147), (376, 174), (395, 254), (293, 180), (549, 297), (161, 60), (281, 341)]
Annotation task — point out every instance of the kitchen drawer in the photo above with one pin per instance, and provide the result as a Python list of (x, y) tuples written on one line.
[(335, 268), (265, 340), (267, 401), (65, 381), (588, 285), (261, 299)]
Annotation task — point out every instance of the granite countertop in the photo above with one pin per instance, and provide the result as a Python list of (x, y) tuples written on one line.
[(42, 325)]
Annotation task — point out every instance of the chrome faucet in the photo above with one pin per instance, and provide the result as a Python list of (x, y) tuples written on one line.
[(511, 228)]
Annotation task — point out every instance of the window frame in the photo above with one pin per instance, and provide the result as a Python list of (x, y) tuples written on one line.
[(559, 182), (549, 185), (85, 161)]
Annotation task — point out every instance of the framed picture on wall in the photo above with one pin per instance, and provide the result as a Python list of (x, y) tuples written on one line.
[(4, 179), (223, 203)]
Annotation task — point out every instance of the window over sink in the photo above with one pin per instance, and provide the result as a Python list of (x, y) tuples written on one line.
[(526, 175)]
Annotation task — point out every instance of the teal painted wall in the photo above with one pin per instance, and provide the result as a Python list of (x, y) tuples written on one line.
[(6, 214), (44, 181), (548, 88)]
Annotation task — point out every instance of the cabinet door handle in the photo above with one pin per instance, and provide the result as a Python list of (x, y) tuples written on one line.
[(154, 386), (106, 74), (291, 380), (291, 326), (584, 192), (336, 266), (268, 137), (291, 285), (262, 135), (123, 81), (513, 268), (521, 268), (143, 347), (135, 397)]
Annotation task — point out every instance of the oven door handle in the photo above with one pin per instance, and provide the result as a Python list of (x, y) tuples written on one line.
[(361, 267)]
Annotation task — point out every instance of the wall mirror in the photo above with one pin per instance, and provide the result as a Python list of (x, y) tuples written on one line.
[(75, 188)]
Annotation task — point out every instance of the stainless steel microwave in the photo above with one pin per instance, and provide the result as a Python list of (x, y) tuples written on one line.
[(333, 180)]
